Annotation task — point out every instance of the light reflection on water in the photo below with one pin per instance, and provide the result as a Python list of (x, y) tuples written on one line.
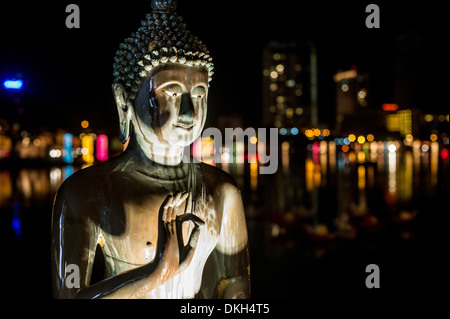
[(31, 185), (323, 183), (326, 187), (318, 191)]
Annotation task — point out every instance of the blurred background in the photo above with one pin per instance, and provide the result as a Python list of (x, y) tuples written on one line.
[(362, 117)]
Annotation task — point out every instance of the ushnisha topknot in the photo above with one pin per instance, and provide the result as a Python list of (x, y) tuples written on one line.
[(161, 38)]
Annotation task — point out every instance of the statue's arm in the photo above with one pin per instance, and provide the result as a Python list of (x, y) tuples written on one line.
[(74, 240), (232, 247)]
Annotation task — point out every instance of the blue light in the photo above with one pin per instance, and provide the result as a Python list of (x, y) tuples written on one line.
[(16, 222), (294, 131), (283, 131), (67, 148), (13, 84)]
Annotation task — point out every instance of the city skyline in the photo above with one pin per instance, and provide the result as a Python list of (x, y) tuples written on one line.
[(70, 70)]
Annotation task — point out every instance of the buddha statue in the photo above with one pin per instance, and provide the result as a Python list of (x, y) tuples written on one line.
[(168, 227)]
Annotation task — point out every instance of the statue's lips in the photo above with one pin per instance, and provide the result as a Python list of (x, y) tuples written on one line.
[(184, 125)]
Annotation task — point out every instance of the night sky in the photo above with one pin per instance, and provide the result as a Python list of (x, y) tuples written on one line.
[(69, 71)]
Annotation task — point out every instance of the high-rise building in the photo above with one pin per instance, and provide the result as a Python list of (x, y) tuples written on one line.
[(289, 87), (351, 98)]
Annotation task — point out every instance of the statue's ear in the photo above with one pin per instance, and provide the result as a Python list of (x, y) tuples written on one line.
[(124, 109)]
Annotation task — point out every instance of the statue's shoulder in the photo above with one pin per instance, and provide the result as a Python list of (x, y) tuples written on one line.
[(219, 181), (86, 183)]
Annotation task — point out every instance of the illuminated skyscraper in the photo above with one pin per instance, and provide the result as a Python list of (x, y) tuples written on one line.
[(289, 87), (351, 99)]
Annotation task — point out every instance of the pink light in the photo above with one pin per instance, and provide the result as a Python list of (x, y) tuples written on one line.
[(315, 152), (444, 154), (102, 148)]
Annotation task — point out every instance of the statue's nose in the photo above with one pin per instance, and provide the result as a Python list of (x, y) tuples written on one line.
[(186, 108)]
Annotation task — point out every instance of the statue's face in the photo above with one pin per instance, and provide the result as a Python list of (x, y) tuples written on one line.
[(171, 105)]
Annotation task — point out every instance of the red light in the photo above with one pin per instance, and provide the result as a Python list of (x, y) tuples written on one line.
[(444, 154), (389, 107), (249, 157)]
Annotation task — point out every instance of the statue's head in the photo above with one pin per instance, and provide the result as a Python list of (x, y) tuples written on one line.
[(161, 80)]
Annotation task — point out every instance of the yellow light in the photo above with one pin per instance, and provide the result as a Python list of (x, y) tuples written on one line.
[(428, 118), (309, 133), (285, 156), (361, 157), (326, 132), (409, 138), (393, 122), (279, 68), (434, 163), (87, 144), (289, 112), (351, 156), (323, 147), (344, 87), (281, 99), (345, 75), (433, 137), (253, 139), (309, 174), (84, 124), (370, 138), (299, 111), (254, 175), (317, 175), (37, 142), (316, 132), (352, 138), (361, 176), (362, 94), (273, 74), (361, 139)]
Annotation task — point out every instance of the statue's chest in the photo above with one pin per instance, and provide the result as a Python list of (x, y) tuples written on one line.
[(130, 233)]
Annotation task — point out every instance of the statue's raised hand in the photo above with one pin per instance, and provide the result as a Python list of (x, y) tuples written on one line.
[(176, 256)]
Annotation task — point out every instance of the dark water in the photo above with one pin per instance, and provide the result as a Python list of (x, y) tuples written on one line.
[(313, 226)]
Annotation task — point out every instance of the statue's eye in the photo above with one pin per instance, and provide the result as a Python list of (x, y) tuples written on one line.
[(174, 94), (173, 90), (198, 92), (171, 93)]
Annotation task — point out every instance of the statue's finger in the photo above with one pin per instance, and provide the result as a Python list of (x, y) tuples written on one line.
[(182, 198), (169, 201), (176, 198)]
